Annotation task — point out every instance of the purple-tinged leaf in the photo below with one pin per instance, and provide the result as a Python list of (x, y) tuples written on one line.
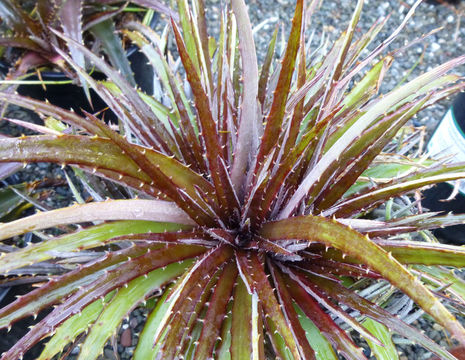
[(71, 328), (156, 5), (325, 267), (202, 41), (17, 18), (413, 223), (379, 49), (330, 96), (102, 153), (392, 99), (248, 122), (132, 209), (373, 196), (71, 22), (9, 168), (276, 115), (265, 71), (360, 155), (194, 237), (202, 103), (216, 311), (154, 171), (326, 302), (267, 191), (227, 196), (323, 321), (100, 287), (123, 302), (21, 42), (61, 286), (182, 323), (253, 274), (415, 252), (206, 266), (352, 243), (350, 298), (274, 249), (285, 299), (295, 123), (161, 137)]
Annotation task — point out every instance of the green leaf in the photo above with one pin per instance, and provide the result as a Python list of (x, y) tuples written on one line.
[(84, 239), (245, 335), (105, 31), (10, 200), (253, 273), (445, 276), (388, 352), (71, 328), (223, 350), (216, 312), (123, 302), (146, 349), (414, 252), (377, 109), (352, 243), (322, 347)]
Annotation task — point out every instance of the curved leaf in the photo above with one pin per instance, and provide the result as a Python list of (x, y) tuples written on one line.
[(62, 286), (350, 242), (145, 346), (386, 352), (71, 328), (123, 302), (133, 209), (84, 239)]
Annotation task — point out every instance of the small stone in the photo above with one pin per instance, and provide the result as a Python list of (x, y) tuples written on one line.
[(133, 323), (126, 337), (435, 47), (109, 354)]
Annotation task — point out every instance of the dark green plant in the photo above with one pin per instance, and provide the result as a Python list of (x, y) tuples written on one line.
[(255, 218), (33, 31)]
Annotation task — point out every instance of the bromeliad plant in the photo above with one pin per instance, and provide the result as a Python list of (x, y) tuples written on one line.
[(33, 33), (254, 218)]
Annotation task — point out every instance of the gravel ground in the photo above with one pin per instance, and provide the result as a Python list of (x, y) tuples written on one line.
[(331, 19)]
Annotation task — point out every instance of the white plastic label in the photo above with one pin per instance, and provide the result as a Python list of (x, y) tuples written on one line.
[(448, 140)]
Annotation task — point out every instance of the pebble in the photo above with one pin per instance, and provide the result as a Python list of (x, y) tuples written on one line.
[(133, 323), (109, 354), (126, 337)]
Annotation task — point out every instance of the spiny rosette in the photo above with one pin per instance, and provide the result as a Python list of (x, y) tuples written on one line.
[(254, 213)]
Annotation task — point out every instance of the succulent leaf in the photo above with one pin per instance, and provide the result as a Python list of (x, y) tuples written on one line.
[(242, 202)]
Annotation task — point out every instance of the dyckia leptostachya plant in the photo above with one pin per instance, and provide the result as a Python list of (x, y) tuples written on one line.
[(33, 32), (249, 227)]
